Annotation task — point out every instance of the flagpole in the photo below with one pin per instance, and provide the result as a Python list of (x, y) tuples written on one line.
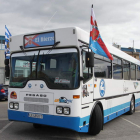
[(91, 49), (88, 48)]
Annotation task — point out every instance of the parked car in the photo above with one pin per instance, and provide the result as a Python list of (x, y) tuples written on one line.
[(3, 92)]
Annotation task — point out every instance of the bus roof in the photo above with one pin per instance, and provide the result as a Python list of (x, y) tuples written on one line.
[(68, 37), (117, 52)]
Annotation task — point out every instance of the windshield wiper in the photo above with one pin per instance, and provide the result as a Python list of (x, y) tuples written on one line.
[(33, 57), (41, 62), (37, 63), (31, 63)]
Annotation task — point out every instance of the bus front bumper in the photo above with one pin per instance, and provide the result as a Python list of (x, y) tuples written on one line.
[(73, 123)]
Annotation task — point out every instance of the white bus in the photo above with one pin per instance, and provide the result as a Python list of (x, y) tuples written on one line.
[(52, 82)]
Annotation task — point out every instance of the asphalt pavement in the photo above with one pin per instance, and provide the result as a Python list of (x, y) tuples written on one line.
[(125, 127)]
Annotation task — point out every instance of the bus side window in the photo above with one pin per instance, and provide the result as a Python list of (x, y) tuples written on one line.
[(133, 71), (102, 67), (85, 69), (126, 70), (138, 73), (117, 68)]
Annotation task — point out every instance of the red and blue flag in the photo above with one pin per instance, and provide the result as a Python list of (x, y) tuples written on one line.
[(96, 43)]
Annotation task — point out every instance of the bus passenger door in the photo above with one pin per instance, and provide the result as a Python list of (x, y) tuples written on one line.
[(87, 86)]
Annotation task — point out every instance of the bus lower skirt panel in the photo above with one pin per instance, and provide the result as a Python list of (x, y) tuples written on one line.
[(73, 123)]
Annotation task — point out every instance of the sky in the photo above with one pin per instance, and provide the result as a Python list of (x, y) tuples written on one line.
[(118, 21)]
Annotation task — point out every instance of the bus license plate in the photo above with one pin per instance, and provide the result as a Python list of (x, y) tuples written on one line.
[(35, 115)]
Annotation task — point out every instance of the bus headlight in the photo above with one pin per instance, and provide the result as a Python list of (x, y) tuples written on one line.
[(11, 105), (59, 110), (66, 110), (16, 106)]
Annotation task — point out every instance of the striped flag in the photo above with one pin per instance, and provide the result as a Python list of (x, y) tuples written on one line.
[(7, 38), (96, 43)]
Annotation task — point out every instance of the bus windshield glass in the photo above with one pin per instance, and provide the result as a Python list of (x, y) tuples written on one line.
[(23, 68), (58, 68)]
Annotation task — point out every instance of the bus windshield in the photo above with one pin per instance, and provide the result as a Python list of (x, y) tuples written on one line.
[(59, 69)]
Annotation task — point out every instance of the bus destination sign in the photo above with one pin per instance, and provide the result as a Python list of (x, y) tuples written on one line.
[(38, 40)]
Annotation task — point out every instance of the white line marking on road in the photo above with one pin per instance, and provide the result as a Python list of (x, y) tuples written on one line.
[(3, 119), (6, 126), (131, 122)]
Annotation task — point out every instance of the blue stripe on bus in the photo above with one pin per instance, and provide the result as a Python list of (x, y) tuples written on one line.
[(84, 119), (115, 114), (116, 111), (116, 108), (58, 121), (137, 102)]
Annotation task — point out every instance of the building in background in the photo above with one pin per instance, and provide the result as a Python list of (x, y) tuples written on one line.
[(2, 57), (2, 42), (133, 52), (116, 45)]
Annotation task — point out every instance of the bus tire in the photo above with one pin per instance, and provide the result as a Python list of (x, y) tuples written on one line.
[(132, 106), (35, 125), (96, 121)]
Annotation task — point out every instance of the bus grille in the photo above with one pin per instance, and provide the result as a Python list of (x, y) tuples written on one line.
[(36, 108), (44, 100)]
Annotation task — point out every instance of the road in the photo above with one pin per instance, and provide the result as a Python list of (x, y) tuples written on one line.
[(125, 127)]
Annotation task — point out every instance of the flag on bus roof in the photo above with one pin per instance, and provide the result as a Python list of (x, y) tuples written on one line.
[(96, 43), (7, 38)]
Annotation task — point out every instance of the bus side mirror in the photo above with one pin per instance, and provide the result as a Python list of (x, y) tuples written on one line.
[(89, 59), (6, 61), (7, 71)]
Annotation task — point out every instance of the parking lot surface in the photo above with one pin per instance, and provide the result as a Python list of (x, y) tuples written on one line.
[(125, 127)]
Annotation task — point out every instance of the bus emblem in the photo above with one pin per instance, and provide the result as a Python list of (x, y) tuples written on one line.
[(29, 85), (136, 84), (41, 85), (102, 88)]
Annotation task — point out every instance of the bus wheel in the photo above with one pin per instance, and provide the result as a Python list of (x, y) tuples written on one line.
[(35, 125), (96, 121), (132, 106)]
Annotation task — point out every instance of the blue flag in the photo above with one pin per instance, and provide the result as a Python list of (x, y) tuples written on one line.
[(7, 38)]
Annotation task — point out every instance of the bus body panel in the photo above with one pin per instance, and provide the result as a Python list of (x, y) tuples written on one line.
[(38, 98)]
